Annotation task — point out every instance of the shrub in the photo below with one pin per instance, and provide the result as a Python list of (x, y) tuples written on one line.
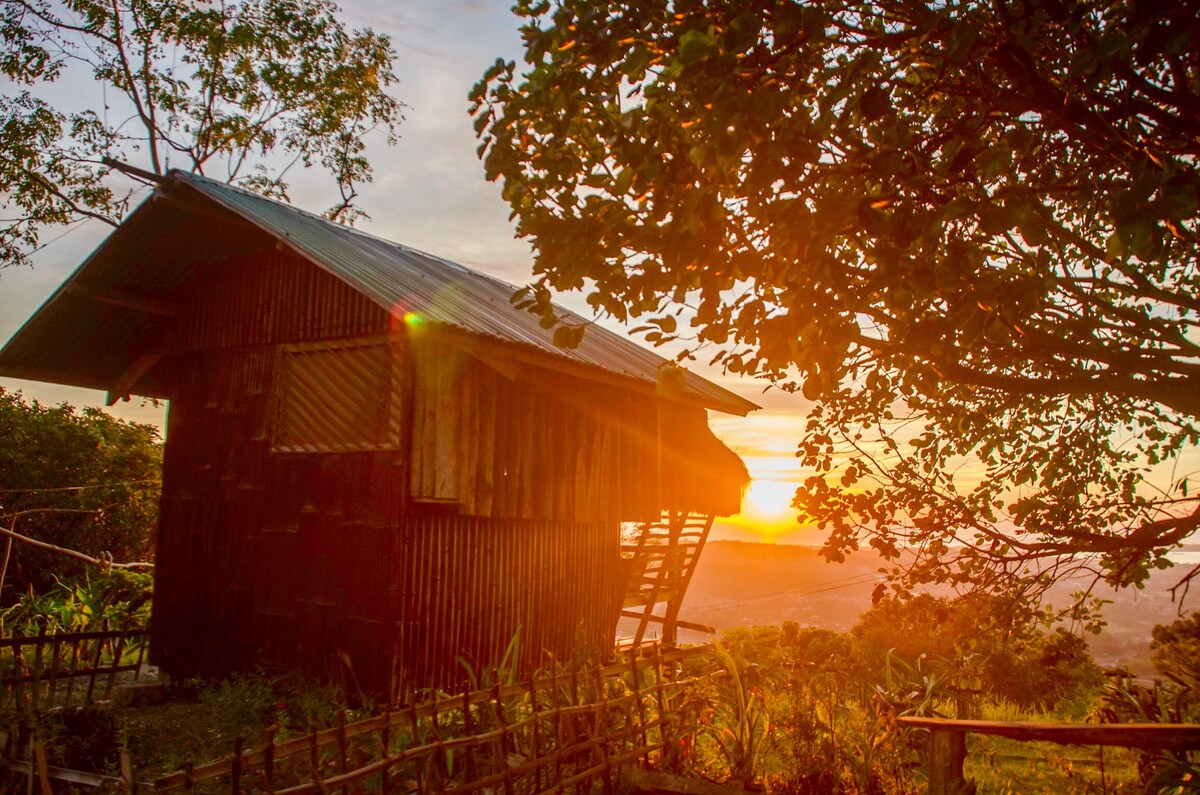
[(101, 475)]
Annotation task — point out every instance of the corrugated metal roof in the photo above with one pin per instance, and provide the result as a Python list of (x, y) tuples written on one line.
[(402, 279)]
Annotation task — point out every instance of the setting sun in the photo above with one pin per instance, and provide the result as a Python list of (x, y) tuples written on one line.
[(770, 499), (767, 511)]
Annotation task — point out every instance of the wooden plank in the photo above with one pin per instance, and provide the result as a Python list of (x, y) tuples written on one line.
[(485, 498), (678, 622), (1165, 736), (147, 304), (18, 641), (83, 778), (447, 419), (127, 380)]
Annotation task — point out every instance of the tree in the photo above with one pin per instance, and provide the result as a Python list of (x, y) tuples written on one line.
[(1175, 650), (1000, 642), (84, 481), (967, 231), (241, 90)]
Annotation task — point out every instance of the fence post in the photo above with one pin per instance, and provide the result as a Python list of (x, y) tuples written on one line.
[(469, 730), (602, 722), (37, 760), (947, 751), (37, 664), (343, 759), (235, 766), (52, 680), (385, 741), (268, 770)]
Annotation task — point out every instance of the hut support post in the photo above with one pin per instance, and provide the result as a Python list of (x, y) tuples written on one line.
[(947, 751)]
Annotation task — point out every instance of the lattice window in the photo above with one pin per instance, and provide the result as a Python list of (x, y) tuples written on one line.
[(337, 397)]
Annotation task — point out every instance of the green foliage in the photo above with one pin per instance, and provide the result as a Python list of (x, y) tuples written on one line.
[(986, 641), (1124, 700), (504, 673), (738, 722), (241, 705), (828, 701), (80, 738), (80, 480), (211, 88), (121, 598), (829, 721), (1045, 671), (1175, 651), (967, 231)]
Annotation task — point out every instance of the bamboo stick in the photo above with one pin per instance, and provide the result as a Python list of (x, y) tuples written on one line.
[(116, 663), (95, 665), (38, 758), (35, 688), (341, 742), (55, 655)]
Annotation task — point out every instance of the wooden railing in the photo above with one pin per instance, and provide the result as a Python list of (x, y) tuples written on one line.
[(67, 668), (947, 747)]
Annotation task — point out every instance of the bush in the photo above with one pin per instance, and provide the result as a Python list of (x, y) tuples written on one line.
[(1046, 671), (1175, 651)]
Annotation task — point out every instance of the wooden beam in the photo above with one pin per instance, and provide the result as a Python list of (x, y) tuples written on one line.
[(1153, 736), (133, 171), (679, 622), (136, 302), (127, 380), (489, 357)]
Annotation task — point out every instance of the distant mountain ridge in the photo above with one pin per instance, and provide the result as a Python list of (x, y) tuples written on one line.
[(743, 583)]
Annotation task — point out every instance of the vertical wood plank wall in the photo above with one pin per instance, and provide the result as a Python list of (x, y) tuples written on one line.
[(292, 560), (543, 445)]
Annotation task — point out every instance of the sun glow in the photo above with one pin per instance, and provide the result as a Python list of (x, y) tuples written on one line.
[(769, 499), (767, 511)]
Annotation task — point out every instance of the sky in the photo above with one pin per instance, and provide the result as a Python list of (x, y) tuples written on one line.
[(430, 193)]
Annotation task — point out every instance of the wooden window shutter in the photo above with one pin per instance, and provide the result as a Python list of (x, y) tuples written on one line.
[(337, 397)]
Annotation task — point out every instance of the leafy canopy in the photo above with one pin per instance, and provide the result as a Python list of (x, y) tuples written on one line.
[(966, 231), (240, 90)]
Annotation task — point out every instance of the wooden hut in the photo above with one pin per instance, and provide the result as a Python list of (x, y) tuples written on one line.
[(374, 463)]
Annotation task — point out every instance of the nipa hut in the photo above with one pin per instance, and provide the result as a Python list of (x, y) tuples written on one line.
[(374, 464)]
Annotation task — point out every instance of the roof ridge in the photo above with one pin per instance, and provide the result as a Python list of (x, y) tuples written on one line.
[(446, 291), (218, 184)]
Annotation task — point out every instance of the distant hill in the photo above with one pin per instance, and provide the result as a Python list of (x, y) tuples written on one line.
[(739, 583)]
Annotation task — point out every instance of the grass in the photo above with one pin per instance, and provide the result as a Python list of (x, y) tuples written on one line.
[(1001, 766)]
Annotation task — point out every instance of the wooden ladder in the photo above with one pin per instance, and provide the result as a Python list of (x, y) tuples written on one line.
[(663, 560)]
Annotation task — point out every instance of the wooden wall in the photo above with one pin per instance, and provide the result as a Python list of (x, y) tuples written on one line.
[(536, 445), (291, 559)]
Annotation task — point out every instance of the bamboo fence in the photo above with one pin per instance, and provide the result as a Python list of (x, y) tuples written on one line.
[(67, 669), (567, 731)]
